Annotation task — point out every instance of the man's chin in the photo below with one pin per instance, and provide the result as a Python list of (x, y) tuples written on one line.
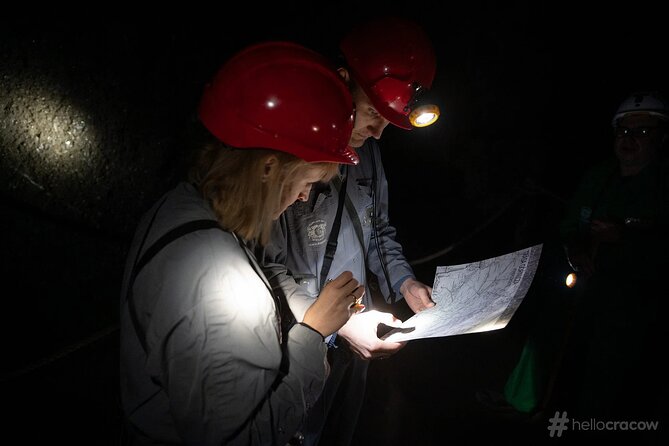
[(356, 141)]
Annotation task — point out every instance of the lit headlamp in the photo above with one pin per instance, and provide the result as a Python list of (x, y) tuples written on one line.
[(570, 280), (423, 111)]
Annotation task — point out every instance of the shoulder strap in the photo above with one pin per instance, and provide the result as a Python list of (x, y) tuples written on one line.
[(169, 237), (376, 236), (331, 247), (149, 254), (355, 219)]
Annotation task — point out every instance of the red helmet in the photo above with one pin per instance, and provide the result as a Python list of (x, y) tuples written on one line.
[(391, 59), (281, 96)]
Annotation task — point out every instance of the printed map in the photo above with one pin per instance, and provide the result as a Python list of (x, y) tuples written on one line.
[(473, 297)]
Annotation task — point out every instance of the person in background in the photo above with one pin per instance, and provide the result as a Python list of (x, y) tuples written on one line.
[(204, 358), (389, 64), (595, 352), (615, 237)]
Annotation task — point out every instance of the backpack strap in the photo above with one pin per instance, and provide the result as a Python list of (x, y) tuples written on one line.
[(331, 247), (150, 253)]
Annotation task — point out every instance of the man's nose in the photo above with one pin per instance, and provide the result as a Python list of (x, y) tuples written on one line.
[(377, 128)]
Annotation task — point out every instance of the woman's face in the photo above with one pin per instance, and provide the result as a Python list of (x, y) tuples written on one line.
[(299, 187)]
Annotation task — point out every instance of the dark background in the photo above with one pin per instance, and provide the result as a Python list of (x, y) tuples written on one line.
[(92, 119)]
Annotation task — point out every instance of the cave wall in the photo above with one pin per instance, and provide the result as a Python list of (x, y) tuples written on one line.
[(93, 113)]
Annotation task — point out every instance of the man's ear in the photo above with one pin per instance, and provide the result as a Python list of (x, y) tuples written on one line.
[(343, 72), (271, 165)]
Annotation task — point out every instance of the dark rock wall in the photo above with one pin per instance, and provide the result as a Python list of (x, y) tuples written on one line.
[(92, 131)]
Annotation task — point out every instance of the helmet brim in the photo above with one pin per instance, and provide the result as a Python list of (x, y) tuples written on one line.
[(656, 114), (265, 140), (346, 156), (396, 118)]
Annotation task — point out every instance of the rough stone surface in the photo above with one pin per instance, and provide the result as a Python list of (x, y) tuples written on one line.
[(93, 120)]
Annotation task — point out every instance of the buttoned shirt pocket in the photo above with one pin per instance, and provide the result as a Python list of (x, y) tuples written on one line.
[(364, 201)]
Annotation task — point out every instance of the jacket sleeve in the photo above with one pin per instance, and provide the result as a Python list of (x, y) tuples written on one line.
[(220, 371), (273, 259), (396, 264), (575, 222)]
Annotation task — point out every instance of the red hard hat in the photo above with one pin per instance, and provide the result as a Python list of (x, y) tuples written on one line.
[(281, 96), (390, 58)]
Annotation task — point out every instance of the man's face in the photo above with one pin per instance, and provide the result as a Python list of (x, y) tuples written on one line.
[(368, 121), (637, 140)]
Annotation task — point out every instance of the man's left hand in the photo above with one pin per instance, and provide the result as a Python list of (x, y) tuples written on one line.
[(417, 295), (605, 231)]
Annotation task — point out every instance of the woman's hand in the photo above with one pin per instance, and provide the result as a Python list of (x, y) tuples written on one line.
[(339, 299)]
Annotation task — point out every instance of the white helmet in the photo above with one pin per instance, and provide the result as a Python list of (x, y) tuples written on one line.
[(648, 102)]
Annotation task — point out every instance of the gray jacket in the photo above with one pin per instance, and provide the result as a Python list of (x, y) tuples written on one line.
[(210, 374), (299, 240)]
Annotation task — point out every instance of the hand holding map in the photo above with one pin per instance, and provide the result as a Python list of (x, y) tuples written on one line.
[(473, 297)]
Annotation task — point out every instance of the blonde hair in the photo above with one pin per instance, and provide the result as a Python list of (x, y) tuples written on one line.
[(243, 197)]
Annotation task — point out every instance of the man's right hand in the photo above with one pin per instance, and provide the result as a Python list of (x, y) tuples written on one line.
[(333, 307)]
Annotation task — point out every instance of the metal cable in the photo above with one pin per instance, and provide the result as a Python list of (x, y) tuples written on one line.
[(60, 354)]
